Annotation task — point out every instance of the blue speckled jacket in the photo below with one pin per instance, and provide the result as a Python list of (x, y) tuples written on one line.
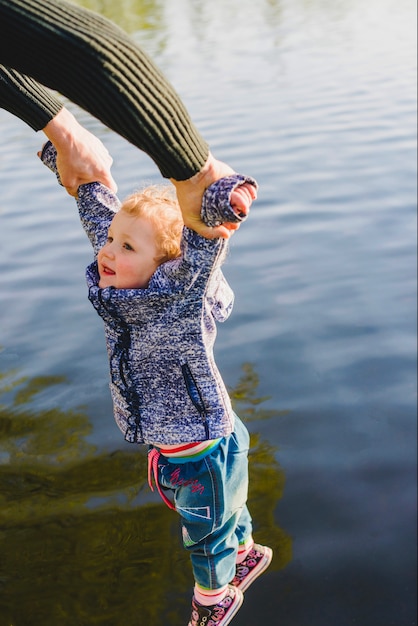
[(165, 385)]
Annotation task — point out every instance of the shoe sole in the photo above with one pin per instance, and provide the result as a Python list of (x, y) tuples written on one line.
[(257, 571)]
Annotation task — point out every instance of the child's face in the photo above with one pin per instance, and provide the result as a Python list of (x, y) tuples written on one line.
[(127, 260)]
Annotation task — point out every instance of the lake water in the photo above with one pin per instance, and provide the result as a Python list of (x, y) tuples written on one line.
[(317, 100)]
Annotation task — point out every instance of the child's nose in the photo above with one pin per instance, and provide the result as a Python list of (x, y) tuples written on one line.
[(108, 250)]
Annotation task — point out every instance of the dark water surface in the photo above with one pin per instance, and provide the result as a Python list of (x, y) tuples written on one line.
[(317, 100)]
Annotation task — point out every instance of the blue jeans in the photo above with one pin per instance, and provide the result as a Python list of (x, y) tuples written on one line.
[(210, 495)]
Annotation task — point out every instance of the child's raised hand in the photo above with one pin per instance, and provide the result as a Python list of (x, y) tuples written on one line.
[(226, 202), (242, 198), (190, 193)]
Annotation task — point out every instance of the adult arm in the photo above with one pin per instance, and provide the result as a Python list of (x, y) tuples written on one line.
[(97, 66), (81, 156), (23, 97)]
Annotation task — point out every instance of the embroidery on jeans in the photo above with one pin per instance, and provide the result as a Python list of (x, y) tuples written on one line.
[(199, 511), (194, 484)]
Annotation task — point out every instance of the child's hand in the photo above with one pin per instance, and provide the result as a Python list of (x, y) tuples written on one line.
[(242, 197), (226, 202), (190, 193), (241, 200)]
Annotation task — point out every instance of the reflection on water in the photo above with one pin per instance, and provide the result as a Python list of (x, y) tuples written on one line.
[(131, 16), (77, 545)]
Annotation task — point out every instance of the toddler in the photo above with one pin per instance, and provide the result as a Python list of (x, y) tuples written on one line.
[(159, 288)]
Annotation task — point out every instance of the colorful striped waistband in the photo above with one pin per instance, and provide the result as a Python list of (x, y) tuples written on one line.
[(188, 452)]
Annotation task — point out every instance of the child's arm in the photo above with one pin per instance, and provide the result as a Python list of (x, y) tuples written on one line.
[(201, 256), (226, 200), (219, 205), (96, 203)]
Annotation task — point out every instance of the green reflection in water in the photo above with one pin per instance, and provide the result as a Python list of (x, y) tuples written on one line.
[(155, 16), (77, 544), (131, 15)]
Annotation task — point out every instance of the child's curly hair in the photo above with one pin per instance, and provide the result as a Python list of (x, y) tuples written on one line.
[(158, 204)]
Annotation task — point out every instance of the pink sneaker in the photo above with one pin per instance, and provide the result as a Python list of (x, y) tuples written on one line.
[(218, 614), (254, 564)]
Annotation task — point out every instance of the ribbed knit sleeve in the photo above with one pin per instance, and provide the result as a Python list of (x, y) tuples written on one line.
[(27, 99), (97, 66)]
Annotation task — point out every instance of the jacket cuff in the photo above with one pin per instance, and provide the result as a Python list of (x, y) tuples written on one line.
[(216, 203), (49, 158)]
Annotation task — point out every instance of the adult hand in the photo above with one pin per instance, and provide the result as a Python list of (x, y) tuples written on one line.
[(81, 157), (190, 193)]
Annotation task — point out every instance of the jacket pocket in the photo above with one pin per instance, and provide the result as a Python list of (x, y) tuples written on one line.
[(192, 388), (194, 394)]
